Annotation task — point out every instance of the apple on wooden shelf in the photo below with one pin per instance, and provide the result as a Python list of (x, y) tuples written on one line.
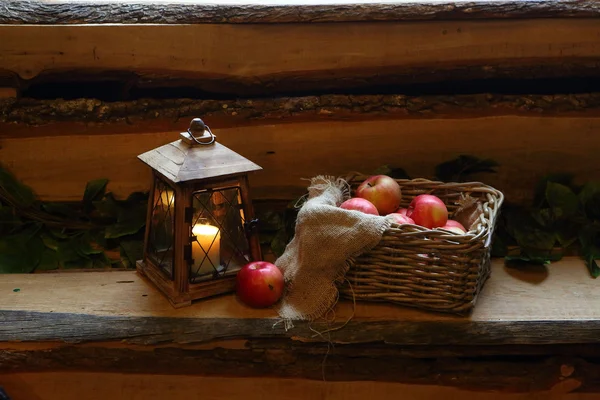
[(381, 190), (360, 204), (259, 284), (428, 211)]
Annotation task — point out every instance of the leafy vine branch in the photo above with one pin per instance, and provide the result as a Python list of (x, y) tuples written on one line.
[(98, 232), (103, 232)]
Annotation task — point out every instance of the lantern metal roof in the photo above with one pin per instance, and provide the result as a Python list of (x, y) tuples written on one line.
[(196, 157)]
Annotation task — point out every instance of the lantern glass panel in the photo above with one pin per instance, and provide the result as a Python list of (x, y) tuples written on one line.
[(219, 243), (161, 234)]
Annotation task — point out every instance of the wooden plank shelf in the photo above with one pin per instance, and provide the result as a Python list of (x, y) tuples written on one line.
[(532, 330), (556, 304), (239, 58)]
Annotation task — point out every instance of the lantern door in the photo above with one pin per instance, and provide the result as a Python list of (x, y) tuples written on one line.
[(222, 235)]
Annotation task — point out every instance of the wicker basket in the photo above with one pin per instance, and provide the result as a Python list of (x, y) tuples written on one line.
[(429, 269)]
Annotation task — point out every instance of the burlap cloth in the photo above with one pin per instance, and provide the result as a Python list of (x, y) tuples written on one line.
[(326, 240)]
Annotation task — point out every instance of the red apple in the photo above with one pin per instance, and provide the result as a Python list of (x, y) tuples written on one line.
[(381, 190), (401, 219), (358, 204), (428, 211), (259, 284), (402, 211), (454, 226)]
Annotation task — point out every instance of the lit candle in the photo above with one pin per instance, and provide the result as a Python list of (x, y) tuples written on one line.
[(207, 236)]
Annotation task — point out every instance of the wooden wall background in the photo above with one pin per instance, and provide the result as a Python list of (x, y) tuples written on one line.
[(300, 90), (301, 98)]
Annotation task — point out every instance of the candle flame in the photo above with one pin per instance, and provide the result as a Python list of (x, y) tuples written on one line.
[(205, 230)]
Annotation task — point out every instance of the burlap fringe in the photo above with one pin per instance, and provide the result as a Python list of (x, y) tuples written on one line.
[(319, 184)]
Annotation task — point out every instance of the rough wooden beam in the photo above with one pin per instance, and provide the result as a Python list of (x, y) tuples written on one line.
[(516, 340), (237, 112), (100, 386), (57, 160), (537, 75), (513, 309), (38, 326), (516, 374), (75, 12), (260, 54)]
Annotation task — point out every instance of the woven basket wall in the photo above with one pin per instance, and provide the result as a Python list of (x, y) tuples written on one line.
[(429, 269)]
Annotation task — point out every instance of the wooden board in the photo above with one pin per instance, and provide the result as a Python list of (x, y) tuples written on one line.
[(264, 54), (100, 386), (514, 308), (200, 11), (534, 331), (58, 167)]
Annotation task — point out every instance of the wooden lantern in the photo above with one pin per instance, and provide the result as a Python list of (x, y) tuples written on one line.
[(200, 226)]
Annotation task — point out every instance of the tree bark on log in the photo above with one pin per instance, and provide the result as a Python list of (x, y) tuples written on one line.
[(33, 112), (67, 327), (44, 12)]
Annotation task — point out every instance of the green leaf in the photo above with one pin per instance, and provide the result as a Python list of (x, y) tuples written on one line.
[(527, 259), (59, 233), (9, 220), (100, 263), (13, 256), (461, 167), (589, 238), (270, 221), (86, 249), (539, 196), (108, 207), (50, 242), (20, 253), (94, 190), (499, 248), (76, 252), (78, 264), (67, 252), (561, 199), (60, 209), (590, 199), (399, 173), (535, 244), (544, 217), (49, 260), (131, 251), (22, 194), (381, 170), (138, 197), (130, 221), (567, 232), (593, 267)]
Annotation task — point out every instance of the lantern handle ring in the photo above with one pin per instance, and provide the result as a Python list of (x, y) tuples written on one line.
[(198, 125)]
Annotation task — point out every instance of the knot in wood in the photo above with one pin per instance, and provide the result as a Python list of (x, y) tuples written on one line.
[(567, 370)]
